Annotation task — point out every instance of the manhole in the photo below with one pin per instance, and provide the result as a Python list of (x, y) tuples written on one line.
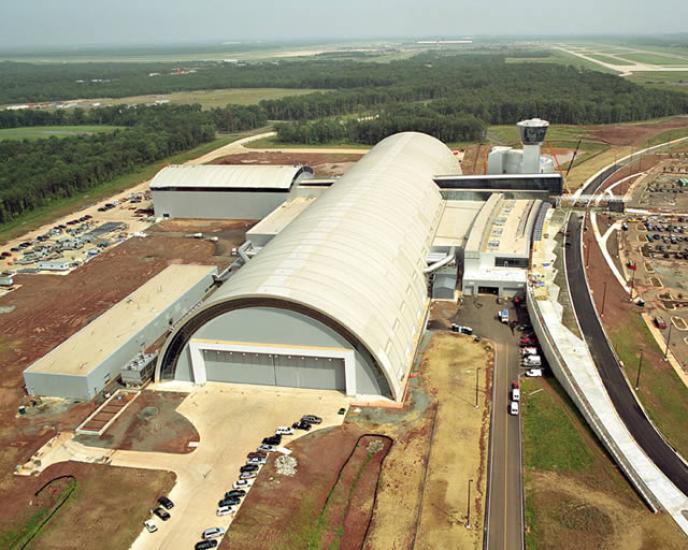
[(148, 412)]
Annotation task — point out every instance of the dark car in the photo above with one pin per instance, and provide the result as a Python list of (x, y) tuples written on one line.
[(257, 454), (235, 493), (248, 468), (311, 419), (206, 544), (161, 513), (228, 501), (272, 440), (166, 503), (301, 426)]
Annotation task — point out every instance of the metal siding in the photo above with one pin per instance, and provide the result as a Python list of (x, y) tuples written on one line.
[(311, 372), (220, 205), (239, 368)]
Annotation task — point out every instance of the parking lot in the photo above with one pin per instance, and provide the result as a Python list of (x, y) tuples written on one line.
[(231, 421)]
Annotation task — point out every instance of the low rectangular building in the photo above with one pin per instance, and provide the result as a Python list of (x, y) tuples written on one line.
[(84, 364), (223, 191)]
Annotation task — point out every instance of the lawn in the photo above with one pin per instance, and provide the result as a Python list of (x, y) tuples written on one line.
[(42, 132), (661, 392), (656, 59), (61, 207), (209, 99)]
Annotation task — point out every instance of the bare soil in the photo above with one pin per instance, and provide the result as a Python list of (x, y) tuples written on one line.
[(324, 164), (634, 134), (151, 423), (475, 159)]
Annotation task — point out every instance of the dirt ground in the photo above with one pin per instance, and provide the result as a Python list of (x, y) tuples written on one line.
[(425, 470), (45, 311), (634, 134), (150, 423), (475, 159), (324, 164)]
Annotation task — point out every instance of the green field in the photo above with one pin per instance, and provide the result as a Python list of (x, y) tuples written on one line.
[(655, 59), (677, 80), (610, 60), (209, 99), (42, 132), (562, 58), (56, 209)]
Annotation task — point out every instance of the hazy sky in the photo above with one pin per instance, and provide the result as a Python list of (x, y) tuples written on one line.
[(71, 22)]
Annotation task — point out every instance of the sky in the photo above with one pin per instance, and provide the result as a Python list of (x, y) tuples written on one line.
[(40, 23)]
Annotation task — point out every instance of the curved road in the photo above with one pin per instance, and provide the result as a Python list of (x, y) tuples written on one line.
[(610, 371)]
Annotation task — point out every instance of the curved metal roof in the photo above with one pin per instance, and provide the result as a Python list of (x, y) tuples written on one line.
[(357, 254), (223, 176)]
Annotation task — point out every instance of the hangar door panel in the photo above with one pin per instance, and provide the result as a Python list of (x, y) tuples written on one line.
[(294, 371), (310, 372), (239, 367)]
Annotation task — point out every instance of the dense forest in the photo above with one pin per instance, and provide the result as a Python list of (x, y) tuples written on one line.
[(34, 172)]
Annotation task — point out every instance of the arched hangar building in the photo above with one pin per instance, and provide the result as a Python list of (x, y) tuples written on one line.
[(339, 298)]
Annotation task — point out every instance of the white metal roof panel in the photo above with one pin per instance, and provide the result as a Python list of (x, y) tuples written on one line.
[(227, 176)]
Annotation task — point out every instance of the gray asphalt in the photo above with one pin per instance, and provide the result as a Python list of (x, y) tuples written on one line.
[(504, 529), (661, 453)]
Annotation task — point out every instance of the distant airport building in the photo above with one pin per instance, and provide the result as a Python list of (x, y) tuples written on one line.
[(223, 191)]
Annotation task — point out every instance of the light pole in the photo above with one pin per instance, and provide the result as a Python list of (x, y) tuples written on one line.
[(604, 298), (468, 507), (640, 367), (477, 374), (666, 350)]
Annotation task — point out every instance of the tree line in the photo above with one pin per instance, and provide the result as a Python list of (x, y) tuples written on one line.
[(32, 173)]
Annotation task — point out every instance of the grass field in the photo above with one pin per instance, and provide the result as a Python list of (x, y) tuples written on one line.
[(61, 207), (42, 132), (610, 60), (562, 58), (575, 496), (655, 59), (677, 80), (661, 392), (211, 98)]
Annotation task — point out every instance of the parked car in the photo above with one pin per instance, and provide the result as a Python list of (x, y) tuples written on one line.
[(524, 327), (513, 408), (166, 503), (300, 425), (267, 448), (228, 502), (461, 329), (311, 419), (249, 468), (213, 532), (661, 324), (272, 440), (247, 475), (515, 394), (534, 372), (529, 350), (284, 430), (205, 544), (532, 361), (503, 316), (242, 483), (150, 526), (257, 454), (235, 493), (224, 511), (162, 513), (256, 460)]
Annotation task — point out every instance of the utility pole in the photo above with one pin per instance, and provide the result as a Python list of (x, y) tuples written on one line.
[(587, 254), (468, 508), (640, 367), (666, 351), (604, 298), (477, 374)]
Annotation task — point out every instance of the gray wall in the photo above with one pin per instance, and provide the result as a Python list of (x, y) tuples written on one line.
[(86, 386), (279, 326), (220, 205)]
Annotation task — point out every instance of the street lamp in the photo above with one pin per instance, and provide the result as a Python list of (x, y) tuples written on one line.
[(604, 298), (468, 507), (640, 367), (477, 374), (666, 350)]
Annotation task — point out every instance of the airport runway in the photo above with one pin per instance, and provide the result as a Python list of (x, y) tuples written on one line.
[(504, 522), (610, 371)]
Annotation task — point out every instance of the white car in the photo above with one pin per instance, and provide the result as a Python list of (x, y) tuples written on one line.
[(284, 430), (534, 372), (256, 460), (516, 394), (242, 484), (266, 448), (529, 351), (247, 475), (150, 526), (213, 532), (225, 511), (513, 408), (532, 361)]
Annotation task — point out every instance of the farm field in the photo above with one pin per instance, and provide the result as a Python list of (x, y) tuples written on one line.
[(575, 497), (42, 132)]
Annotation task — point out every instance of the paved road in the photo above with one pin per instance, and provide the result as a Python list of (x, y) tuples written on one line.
[(610, 371), (505, 501)]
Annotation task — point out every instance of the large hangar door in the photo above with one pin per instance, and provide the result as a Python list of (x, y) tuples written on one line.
[(321, 373), (270, 369)]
